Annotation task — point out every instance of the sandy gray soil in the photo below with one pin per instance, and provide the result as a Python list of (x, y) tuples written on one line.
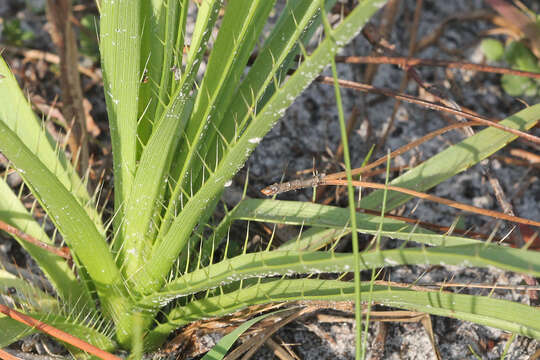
[(310, 130)]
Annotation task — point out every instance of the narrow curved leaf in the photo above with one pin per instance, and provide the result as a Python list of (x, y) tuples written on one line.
[(79, 231), (61, 276), (279, 263), (325, 216), (453, 160), (17, 114), (502, 314), (226, 342)]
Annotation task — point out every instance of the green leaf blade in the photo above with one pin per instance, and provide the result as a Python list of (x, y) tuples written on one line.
[(120, 45), (16, 113), (86, 243), (236, 39), (270, 264), (13, 212), (453, 160), (332, 217), (502, 314), (166, 251)]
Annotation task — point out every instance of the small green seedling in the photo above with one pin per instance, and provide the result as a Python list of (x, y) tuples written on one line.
[(519, 57)]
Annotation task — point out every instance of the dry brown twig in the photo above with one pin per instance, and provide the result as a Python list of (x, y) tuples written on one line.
[(406, 62), (281, 351), (428, 104), (62, 252), (34, 54), (434, 36), (321, 180), (405, 78), (248, 348), (380, 161), (58, 14), (336, 179), (365, 170), (4, 355)]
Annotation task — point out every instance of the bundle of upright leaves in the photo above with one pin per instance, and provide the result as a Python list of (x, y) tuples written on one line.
[(177, 142)]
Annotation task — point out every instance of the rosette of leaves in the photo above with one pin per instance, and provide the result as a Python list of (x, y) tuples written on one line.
[(178, 139)]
